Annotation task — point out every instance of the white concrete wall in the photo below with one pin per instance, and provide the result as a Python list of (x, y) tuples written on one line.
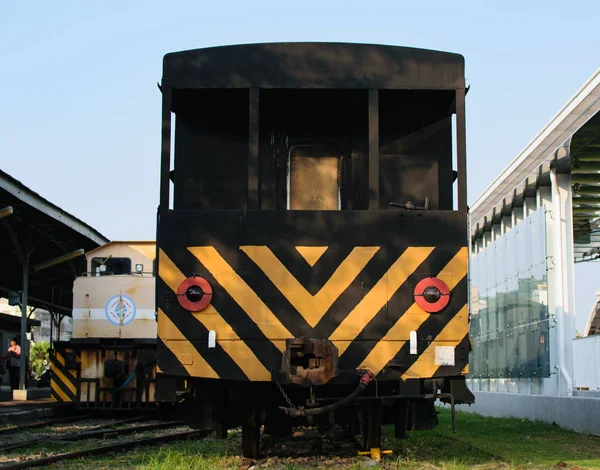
[(580, 414)]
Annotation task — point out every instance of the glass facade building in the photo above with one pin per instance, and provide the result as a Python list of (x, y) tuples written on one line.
[(509, 303)]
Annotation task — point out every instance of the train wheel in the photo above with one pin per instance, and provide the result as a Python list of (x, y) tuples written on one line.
[(251, 434), (277, 424), (401, 426), (219, 417), (219, 430)]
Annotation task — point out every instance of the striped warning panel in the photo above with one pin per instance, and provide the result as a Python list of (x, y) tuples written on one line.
[(437, 328), (63, 384), (359, 297)]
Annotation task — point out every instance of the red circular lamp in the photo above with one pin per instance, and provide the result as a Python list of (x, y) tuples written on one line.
[(432, 294), (194, 294)]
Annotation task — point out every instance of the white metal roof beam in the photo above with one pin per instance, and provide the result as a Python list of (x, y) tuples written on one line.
[(20, 191), (580, 108)]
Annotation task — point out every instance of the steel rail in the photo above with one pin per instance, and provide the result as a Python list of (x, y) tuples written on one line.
[(42, 424), (119, 446), (106, 433), (67, 436)]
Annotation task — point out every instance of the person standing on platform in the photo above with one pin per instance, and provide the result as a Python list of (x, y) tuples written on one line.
[(13, 363)]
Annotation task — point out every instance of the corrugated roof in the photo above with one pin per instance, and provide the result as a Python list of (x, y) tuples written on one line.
[(41, 231), (27, 195)]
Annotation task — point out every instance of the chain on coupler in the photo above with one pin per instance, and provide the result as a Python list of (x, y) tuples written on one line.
[(292, 410)]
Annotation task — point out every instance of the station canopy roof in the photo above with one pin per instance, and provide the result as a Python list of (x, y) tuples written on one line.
[(569, 143), (53, 239)]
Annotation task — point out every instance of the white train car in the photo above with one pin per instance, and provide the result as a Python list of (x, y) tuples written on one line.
[(110, 361)]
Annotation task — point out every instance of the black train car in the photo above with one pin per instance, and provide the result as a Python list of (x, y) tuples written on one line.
[(311, 267)]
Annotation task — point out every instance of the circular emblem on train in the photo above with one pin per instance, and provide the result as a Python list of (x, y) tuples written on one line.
[(120, 307)]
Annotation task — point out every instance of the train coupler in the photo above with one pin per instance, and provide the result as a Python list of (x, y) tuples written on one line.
[(309, 361)]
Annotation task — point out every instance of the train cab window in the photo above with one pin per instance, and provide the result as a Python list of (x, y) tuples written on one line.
[(313, 180), (110, 266)]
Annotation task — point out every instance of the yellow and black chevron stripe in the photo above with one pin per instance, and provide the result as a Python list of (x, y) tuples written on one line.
[(63, 384), (359, 297)]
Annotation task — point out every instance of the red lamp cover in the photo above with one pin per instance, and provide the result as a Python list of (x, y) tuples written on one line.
[(442, 302), (197, 282)]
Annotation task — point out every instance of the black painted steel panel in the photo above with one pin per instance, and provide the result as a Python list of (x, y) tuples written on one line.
[(282, 231), (313, 65)]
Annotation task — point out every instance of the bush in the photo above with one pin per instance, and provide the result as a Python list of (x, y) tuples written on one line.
[(40, 357)]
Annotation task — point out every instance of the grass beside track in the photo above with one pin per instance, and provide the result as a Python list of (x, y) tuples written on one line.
[(481, 443), (496, 443)]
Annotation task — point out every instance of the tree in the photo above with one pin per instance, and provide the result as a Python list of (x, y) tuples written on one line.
[(40, 356)]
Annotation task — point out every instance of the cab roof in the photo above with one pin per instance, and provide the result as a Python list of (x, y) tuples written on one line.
[(313, 65)]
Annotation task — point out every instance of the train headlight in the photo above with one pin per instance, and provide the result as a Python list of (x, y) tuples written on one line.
[(194, 294), (432, 294)]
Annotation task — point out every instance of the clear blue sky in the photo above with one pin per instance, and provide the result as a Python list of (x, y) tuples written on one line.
[(80, 111)]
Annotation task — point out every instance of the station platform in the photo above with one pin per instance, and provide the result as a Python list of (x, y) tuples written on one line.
[(6, 406), (33, 393), (15, 412)]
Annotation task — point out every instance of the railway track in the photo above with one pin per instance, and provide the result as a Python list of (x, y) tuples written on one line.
[(306, 447), (119, 446), (95, 434), (41, 424), (70, 436)]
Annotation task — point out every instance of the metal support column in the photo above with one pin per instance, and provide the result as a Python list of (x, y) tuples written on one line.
[(373, 149), (60, 319), (461, 149), (24, 343), (562, 252), (51, 328), (165, 157), (253, 136)]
